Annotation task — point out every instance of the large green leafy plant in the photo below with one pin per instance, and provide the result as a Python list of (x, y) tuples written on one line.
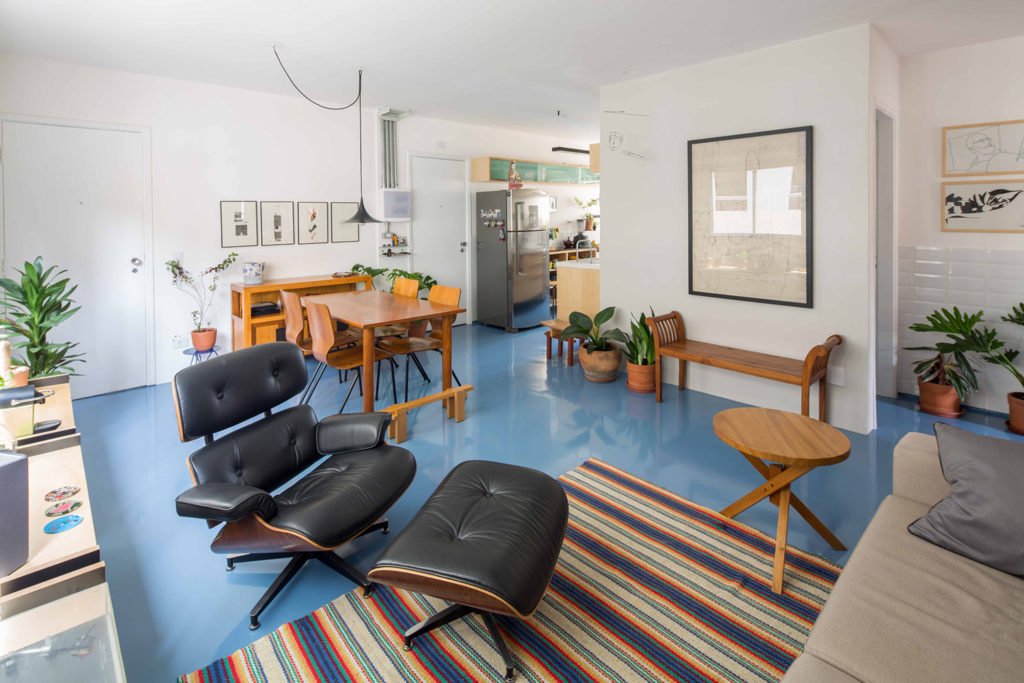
[(426, 281), (35, 304), (997, 354), (198, 287), (589, 331), (951, 364), (640, 345)]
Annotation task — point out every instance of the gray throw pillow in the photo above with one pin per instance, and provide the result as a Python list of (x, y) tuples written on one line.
[(982, 518)]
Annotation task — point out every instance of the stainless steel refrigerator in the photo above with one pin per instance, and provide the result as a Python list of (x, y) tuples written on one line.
[(512, 258)]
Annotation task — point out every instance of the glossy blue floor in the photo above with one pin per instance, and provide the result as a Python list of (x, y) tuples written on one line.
[(177, 609)]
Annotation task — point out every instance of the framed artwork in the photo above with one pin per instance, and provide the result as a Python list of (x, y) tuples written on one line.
[(983, 206), (238, 224), (983, 149), (313, 223), (750, 222), (277, 223), (340, 230)]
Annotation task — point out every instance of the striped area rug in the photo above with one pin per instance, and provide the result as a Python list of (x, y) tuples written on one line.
[(649, 587)]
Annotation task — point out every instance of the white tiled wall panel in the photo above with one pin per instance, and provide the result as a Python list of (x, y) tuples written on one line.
[(989, 280)]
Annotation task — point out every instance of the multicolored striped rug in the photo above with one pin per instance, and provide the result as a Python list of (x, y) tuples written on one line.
[(649, 587)]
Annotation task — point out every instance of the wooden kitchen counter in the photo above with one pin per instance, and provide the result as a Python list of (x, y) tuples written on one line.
[(247, 330)]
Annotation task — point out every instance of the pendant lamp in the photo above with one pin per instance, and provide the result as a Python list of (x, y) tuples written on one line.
[(361, 215)]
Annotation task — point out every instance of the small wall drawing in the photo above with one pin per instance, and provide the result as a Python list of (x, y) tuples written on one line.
[(238, 224), (340, 230), (983, 206), (983, 149), (615, 140), (277, 223), (313, 225)]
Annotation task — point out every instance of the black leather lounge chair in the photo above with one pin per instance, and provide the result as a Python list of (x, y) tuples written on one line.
[(236, 473)]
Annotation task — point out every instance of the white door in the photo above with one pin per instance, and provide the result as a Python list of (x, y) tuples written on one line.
[(77, 197), (440, 225)]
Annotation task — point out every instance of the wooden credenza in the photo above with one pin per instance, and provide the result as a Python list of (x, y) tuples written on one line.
[(247, 330)]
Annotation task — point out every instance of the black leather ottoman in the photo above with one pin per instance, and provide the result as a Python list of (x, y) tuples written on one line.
[(487, 540)]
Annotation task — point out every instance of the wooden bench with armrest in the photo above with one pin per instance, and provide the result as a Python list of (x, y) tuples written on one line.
[(670, 341)]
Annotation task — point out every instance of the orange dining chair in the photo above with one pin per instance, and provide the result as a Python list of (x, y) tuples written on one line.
[(295, 332), (449, 296), (408, 346)]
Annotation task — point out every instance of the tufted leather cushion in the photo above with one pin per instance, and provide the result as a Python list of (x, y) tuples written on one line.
[(345, 494), (264, 454), (226, 390), (351, 432), (225, 502), (490, 525)]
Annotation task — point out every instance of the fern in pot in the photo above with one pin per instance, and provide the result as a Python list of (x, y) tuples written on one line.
[(640, 364), (598, 356)]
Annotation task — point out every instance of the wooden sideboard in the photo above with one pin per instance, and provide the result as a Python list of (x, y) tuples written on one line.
[(247, 330)]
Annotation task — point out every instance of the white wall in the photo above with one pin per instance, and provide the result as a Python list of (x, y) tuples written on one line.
[(211, 143), (821, 81)]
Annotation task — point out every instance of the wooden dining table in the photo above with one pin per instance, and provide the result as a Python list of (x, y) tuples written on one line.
[(370, 309)]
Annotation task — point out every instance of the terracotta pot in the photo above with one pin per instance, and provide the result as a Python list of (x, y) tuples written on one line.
[(204, 339), (418, 328), (600, 366), (939, 399), (640, 378), (20, 375), (1016, 421), (589, 224)]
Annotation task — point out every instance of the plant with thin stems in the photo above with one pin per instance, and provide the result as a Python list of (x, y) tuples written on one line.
[(197, 286)]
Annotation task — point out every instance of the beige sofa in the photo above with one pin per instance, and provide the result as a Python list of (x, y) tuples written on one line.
[(906, 610)]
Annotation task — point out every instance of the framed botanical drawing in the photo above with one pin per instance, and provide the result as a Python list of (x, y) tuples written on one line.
[(983, 149), (313, 224), (340, 230), (277, 223), (750, 222), (238, 224), (983, 206)]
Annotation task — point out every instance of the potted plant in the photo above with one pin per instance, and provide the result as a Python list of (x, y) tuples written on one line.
[(640, 357), (202, 291), (35, 304), (948, 378), (598, 356), (587, 215), (995, 353), (360, 269)]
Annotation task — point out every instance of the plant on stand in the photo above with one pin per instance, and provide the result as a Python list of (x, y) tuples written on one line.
[(598, 356), (995, 353), (587, 215), (947, 378), (35, 304), (640, 357), (201, 290)]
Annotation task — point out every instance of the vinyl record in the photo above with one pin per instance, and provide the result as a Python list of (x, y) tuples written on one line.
[(62, 493), (63, 508), (62, 524)]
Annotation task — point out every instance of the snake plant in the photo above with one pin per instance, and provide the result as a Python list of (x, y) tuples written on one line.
[(640, 345)]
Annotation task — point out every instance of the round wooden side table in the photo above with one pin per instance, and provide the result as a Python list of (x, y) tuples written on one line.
[(793, 445)]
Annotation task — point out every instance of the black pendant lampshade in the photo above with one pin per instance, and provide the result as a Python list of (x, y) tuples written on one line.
[(361, 215)]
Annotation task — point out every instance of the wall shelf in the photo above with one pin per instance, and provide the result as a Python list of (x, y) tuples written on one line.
[(486, 169)]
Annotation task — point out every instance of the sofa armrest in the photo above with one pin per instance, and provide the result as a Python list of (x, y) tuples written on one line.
[(224, 502), (351, 432), (916, 472)]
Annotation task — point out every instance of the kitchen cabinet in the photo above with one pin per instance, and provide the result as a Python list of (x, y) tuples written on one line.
[(485, 169), (556, 256)]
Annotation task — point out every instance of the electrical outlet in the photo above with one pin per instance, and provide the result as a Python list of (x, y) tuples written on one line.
[(836, 375), (178, 342)]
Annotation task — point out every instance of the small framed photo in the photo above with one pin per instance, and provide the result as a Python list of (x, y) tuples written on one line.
[(313, 224), (277, 223), (238, 224), (340, 230)]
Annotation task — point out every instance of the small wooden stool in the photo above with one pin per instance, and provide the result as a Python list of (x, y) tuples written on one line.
[(554, 331)]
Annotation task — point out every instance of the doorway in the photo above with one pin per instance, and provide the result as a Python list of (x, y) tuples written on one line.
[(886, 345), (79, 196), (440, 224)]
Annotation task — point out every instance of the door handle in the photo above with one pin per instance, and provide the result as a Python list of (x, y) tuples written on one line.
[(462, 247), (136, 262)]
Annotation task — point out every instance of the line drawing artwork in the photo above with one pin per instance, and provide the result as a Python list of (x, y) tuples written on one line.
[(983, 149), (615, 140)]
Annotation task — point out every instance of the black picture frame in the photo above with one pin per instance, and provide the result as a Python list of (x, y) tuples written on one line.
[(808, 216), (226, 210), (301, 207), (290, 228)]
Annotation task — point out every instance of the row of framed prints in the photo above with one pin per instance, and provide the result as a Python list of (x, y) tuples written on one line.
[(983, 149), (275, 224)]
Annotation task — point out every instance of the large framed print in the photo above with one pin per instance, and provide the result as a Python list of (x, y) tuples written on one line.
[(750, 222), (340, 230), (977, 149), (238, 224), (983, 206), (313, 225), (277, 223)]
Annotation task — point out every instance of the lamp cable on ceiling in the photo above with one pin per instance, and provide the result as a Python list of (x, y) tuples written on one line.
[(359, 94)]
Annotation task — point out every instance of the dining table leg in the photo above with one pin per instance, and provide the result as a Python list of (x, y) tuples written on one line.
[(446, 353), (368, 354)]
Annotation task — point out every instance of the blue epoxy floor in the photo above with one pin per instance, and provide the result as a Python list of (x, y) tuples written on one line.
[(177, 609)]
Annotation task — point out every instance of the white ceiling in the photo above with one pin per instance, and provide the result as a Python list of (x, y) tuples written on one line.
[(493, 62)]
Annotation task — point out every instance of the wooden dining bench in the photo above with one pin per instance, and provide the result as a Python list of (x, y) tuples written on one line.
[(454, 400), (670, 341)]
